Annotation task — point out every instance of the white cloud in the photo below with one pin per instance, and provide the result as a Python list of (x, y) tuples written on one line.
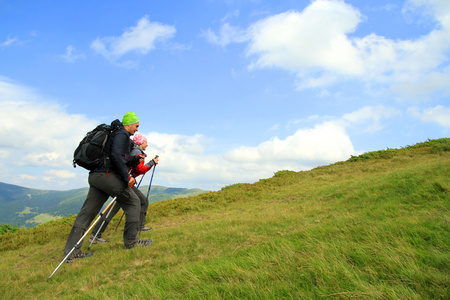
[(4, 153), (430, 84), (369, 116), (44, 128), (36, 133), (314, 38), (439, 115), (177, 151), (9, 41), (58, 177), (228, 34), (367, 119), (27, 177), (437, 9), (72, 54), (140, 39), (60, 173), (388, 7), (316, 44), (324, 143)]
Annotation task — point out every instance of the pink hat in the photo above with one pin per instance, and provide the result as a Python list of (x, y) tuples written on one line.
[(139, 139)]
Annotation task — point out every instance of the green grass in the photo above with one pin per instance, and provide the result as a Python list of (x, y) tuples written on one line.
[(374, 227)]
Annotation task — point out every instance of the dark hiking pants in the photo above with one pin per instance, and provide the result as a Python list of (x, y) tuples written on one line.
[(144, 206), (101, 186)]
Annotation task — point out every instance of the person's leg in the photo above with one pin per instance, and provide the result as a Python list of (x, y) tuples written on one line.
[(129, 202), (91, 206), (144, 206), (131, 205)]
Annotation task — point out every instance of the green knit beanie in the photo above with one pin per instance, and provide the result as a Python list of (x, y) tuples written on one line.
[(129, 118)]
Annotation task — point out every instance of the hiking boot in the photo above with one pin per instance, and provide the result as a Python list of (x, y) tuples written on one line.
[(139, 243), (146, 228), (97, 240), (78, 255)]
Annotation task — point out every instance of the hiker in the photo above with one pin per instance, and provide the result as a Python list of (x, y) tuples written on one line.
[(111, 180), (138, 146)]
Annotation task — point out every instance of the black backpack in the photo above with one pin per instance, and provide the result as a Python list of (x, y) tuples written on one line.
[(90, 153)]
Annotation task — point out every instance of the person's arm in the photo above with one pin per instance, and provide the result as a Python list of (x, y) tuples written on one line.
[(140, 169), (120, 154), (144, 168)]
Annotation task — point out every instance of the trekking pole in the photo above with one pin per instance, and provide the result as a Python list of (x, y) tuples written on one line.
[(84, 235), (149, 187), (151, 179), (103, 223), (120, 220), (140, 181)]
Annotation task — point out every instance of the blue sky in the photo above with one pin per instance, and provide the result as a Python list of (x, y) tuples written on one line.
[(226, 91)]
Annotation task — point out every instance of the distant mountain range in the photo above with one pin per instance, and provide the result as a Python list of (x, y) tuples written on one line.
[(27, 207)]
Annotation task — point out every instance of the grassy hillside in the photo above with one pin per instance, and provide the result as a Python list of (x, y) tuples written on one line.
[(374, 227), (30, 207)]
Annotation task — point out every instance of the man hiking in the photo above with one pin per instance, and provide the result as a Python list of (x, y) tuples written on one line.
[(111, 179), (138, 146)]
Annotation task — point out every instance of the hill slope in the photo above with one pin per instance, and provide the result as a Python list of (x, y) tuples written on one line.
[(374, 227), (30, 207)]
